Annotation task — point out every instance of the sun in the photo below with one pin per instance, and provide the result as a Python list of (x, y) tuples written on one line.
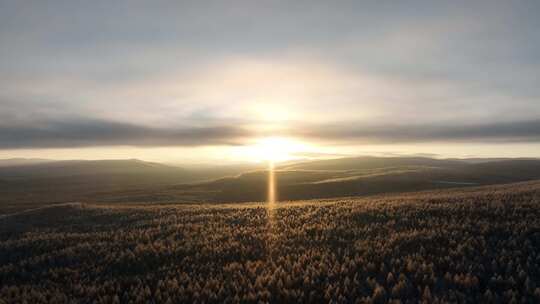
[(273, 149)]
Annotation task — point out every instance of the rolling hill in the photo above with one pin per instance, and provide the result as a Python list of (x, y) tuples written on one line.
[(139, 181), (367, 176)]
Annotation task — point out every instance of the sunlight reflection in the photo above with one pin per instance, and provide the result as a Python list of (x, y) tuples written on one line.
[(271, 209), (271, 185)]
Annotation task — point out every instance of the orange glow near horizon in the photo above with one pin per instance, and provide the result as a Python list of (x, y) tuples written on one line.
[(271, 149)]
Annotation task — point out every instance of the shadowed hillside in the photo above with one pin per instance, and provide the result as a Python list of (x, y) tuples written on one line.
[(29, 182), (367, 176), (137, 181), (370, 162)]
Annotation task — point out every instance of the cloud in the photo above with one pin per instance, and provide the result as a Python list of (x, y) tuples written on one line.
[(94, 133), (513, 131), (91, 133), (131, 71)]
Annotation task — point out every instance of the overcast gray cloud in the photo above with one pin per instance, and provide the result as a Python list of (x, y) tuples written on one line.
[(515, 131), (194, 73), (90, 133)]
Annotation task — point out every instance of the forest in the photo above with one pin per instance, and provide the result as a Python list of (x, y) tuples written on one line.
[(472, 245)]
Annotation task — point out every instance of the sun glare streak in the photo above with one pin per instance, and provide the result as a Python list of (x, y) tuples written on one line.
[(271, 185), (271, 209)]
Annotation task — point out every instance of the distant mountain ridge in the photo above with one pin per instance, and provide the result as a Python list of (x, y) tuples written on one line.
[(371, 162), (23, 161), (85, 167), (135, 180)]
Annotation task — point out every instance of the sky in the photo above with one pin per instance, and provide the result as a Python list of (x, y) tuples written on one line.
[(229, 81)]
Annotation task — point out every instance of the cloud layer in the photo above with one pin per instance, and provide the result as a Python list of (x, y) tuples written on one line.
[(91, 133), (505, 132), (198, 73)]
